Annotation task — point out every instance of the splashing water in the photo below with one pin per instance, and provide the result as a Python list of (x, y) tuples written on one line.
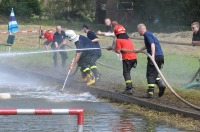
[(45, 92)]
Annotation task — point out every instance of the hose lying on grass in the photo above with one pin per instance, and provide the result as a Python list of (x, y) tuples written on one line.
[(168, 85)]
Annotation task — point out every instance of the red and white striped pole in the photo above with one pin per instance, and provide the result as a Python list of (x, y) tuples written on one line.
[(21, 31), (42, 111)]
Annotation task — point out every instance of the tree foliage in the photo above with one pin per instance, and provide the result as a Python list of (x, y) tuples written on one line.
[(23, 8), (80, 10)]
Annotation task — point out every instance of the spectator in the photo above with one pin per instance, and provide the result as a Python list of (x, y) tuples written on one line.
[(196, 33), (109, 28)]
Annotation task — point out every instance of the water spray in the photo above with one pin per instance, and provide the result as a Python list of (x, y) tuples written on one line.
[(67, 75), (46, 51)]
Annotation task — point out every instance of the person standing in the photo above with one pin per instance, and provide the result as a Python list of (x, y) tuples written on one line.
[(108, 28), (196, 33), (84, 58), (153, 47), (92, 36), (58, 39), (129, 59), (48, 35)]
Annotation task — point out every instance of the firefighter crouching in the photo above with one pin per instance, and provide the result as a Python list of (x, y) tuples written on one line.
[(84, 58)]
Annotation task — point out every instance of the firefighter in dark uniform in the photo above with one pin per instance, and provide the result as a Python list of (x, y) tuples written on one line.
[(196, 33), (58, 39), (92, 36), (153, 47), (84, 58)]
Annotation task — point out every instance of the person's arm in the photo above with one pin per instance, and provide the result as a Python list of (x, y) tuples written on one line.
[(107, 34), (195, 43), (141, 49), (55, 41), (153, 50), (56, 45), (76, 58), (118, 47), (118, 51), (95, 40), (42, 35)]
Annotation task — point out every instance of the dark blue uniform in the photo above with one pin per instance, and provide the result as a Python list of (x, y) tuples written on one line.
[(85, 60), (91, 35), (152, 74), (149, 38), (59, 37)]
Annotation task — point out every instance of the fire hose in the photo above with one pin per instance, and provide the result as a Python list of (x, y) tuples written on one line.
[(167, 84)]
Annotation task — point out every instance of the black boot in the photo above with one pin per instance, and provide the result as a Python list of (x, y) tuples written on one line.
[(150, 93), (129, 89), (96, 74), (161, 87)]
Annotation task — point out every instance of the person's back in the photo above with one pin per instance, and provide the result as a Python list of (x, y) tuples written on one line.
[(49, 36), (128, 45), (149, 38), (129, 59), (91, 35), (85, 43)]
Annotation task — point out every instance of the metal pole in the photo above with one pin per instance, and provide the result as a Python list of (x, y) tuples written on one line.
[(43, 111), (67, 76)]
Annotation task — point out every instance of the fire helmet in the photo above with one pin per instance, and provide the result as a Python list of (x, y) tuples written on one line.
[(71, 36), (119, 29)]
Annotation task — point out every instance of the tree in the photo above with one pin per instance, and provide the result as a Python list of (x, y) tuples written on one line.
[(79, 10), (191, 11), (23, 8)]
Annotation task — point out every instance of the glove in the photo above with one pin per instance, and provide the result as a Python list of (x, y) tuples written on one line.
[(109, 48)]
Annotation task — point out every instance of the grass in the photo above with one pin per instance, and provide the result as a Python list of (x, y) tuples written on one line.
[(181, 63)]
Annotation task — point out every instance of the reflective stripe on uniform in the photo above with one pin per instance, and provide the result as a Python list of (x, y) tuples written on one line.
[(86, 69), (128, 81), (157, 79), (93, 67), (151, 85), (150, 93)]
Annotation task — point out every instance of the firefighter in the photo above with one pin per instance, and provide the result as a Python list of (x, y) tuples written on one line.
[(92, 36), (153, 47), (129, 59), (58, 39), (84, 58)]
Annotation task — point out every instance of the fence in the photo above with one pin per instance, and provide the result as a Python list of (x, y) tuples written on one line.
[(25, 31), (42, 111)]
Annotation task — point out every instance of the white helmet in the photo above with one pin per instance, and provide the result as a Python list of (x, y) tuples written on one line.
[(71, 36)]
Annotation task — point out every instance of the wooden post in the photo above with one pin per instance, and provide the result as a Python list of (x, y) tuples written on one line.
[(39, 36)]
